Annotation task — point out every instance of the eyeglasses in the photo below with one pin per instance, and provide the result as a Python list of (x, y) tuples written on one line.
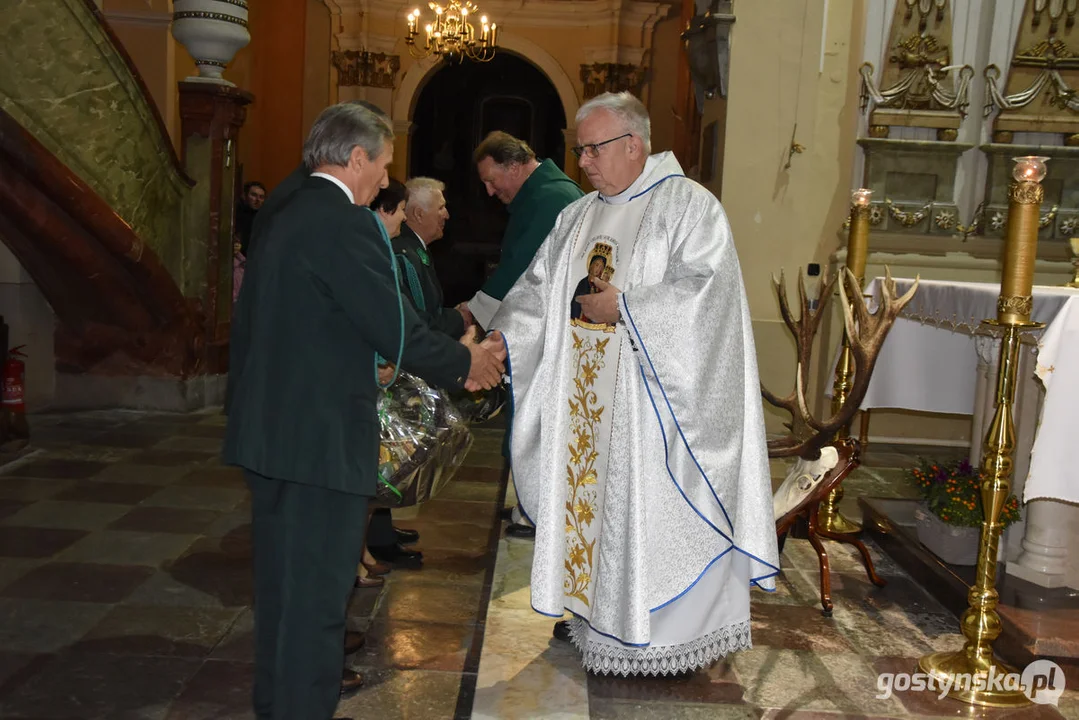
[(592, 149)]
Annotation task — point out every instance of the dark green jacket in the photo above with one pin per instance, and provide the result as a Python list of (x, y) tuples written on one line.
[(419, 282), (276, 200), (318, 301), (545, 193)]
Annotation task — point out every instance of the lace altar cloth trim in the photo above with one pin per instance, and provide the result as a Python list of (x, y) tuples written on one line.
[(659, 660)]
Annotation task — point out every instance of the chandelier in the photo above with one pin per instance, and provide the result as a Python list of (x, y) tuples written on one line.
[(451, 35)]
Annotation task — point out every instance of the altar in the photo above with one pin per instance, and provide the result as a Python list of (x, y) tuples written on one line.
[(939, 358)]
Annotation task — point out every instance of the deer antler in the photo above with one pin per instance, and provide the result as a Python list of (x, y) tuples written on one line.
[(865, 333), (804, 330)]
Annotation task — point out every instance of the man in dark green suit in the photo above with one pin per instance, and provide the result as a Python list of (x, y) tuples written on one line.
[(318, 303), (425, 221)]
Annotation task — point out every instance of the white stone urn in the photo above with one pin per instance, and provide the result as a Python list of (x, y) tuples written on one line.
[(213, 31)]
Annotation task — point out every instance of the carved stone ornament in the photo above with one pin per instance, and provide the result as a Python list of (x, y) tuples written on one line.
[(1016, 305), (1038, 93), (366, 69), (918, 86), (1026, 193), (599, 78)]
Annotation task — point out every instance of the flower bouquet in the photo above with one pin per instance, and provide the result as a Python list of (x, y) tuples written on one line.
[(424, 440), (950, 519)]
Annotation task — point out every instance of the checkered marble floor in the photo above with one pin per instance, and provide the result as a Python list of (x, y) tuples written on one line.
[(125, 593)]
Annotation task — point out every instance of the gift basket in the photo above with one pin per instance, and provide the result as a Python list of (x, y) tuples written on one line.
[(424, 441), (481, 405)]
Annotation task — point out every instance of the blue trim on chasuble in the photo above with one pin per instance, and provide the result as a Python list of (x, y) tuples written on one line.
[(753, 581), (513, 406)]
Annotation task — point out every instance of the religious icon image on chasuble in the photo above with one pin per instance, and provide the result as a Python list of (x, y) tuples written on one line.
[(598, 262)]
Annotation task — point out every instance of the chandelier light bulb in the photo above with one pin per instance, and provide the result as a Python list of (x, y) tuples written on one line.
[(483, 19), (1029, 168)]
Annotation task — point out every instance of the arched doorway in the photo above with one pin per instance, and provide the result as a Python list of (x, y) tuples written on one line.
[(458, 106)]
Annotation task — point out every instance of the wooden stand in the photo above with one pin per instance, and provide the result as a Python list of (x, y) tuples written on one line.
[(806, 512)]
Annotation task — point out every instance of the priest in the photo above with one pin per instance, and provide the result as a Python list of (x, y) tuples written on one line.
[(638, 441)]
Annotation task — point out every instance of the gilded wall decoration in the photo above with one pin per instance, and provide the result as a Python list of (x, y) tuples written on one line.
[(1044, 67), (919, 87), (366, 69), (599, 78)]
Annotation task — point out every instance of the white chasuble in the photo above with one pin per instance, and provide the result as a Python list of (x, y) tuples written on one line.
[(638, 449)]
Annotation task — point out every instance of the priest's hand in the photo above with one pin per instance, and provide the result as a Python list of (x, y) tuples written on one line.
[(602, 307), (496, 345), (485, 370)]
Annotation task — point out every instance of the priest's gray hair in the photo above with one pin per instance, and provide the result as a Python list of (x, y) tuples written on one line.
[(338, 129), (421, 192), (628, 109)]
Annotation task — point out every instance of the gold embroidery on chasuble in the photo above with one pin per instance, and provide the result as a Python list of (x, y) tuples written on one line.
[(586, 416)]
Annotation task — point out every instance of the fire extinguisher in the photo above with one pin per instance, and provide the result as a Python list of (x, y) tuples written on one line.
[(14, 398)]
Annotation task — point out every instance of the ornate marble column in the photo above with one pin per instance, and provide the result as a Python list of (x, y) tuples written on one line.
[(211, 116)]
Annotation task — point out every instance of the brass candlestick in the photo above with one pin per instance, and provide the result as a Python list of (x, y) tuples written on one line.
[(829, 516), (1074, 242), (972, 669)]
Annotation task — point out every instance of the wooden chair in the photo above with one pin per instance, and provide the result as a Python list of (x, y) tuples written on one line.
[(807, 512)]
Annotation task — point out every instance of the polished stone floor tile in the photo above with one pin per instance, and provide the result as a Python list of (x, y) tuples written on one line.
[(183, 521), (30, 489), (101, 687), (406, 645), (453, 567), (215, 477), (170, 458), (138, 473), (217, 568), (220, 690), (238, 645), (473, 473), (619, 710), (45, 626), (796, 628), (405, 694), (718, 684), (125, 547), (165, 590), (187, 443), (901, 594), (135, 439), (200, 497), (11, 569), (78, 582), (35, 542), (459, 511), (107, 492), (461, 489), (72, 515), (10, 507), (142, 630), (59, 469), (15, 666), (804, 680), (421, 601), (461, 537)]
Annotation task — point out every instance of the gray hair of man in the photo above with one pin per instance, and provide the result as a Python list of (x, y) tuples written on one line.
[(630, 111), (340, 128), (421, 192)]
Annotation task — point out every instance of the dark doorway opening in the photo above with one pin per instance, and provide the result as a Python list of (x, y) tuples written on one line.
[(458, 106)]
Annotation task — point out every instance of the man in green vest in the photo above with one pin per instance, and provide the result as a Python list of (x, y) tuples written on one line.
[(534, 193)]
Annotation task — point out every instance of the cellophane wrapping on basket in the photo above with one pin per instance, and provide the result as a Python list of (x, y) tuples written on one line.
[(424, 441), (481, 405)]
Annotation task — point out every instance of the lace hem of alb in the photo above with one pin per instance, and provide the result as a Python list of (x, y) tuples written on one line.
[(660, 660)]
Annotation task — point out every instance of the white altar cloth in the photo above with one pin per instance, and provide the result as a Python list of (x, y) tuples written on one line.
[(929, 363)]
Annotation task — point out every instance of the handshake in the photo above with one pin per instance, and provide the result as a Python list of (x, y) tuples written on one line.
[(488, 360)]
